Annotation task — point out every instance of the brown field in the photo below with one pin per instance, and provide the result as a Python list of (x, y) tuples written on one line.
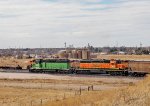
[(12, 96), (125, 57), (54, 90), (12, 62), (132, 95)]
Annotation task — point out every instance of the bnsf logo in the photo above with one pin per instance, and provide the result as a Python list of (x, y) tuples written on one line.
[(95, 65)]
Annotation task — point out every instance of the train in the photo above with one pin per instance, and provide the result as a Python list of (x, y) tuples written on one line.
[(66, 66)]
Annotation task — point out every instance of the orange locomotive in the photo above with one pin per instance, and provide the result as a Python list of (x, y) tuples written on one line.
[(103, 64), (112, 67)]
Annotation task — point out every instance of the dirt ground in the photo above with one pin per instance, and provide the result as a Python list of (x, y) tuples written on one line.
[(24, 89)]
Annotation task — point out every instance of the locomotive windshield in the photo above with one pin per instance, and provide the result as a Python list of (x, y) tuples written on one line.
[(37, 61)]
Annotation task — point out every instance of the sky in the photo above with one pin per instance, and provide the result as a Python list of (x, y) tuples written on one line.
[(51, 23)]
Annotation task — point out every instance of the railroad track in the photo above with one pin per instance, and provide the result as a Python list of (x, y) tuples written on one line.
[(14, 71), (72, 75)]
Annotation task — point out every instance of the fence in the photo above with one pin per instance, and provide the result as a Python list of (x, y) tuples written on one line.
[(21, 101)]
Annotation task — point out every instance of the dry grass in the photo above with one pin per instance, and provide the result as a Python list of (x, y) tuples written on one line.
[(14, 62), (63, 91), (125, 57), (81, 82), (13, 96), (133, 95)]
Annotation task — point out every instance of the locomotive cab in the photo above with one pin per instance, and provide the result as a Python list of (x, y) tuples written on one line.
[(113, 63), (36, 64)]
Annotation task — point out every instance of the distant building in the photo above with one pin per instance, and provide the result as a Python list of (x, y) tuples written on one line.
[(121, 53), (75, 54), (103, 53)]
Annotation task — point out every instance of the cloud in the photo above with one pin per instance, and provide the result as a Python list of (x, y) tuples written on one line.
[(50, 23)]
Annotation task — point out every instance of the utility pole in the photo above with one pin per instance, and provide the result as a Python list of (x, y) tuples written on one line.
[(141, 45), (65, 45)]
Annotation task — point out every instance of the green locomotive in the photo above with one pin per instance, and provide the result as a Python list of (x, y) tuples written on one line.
[(50, 65)]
